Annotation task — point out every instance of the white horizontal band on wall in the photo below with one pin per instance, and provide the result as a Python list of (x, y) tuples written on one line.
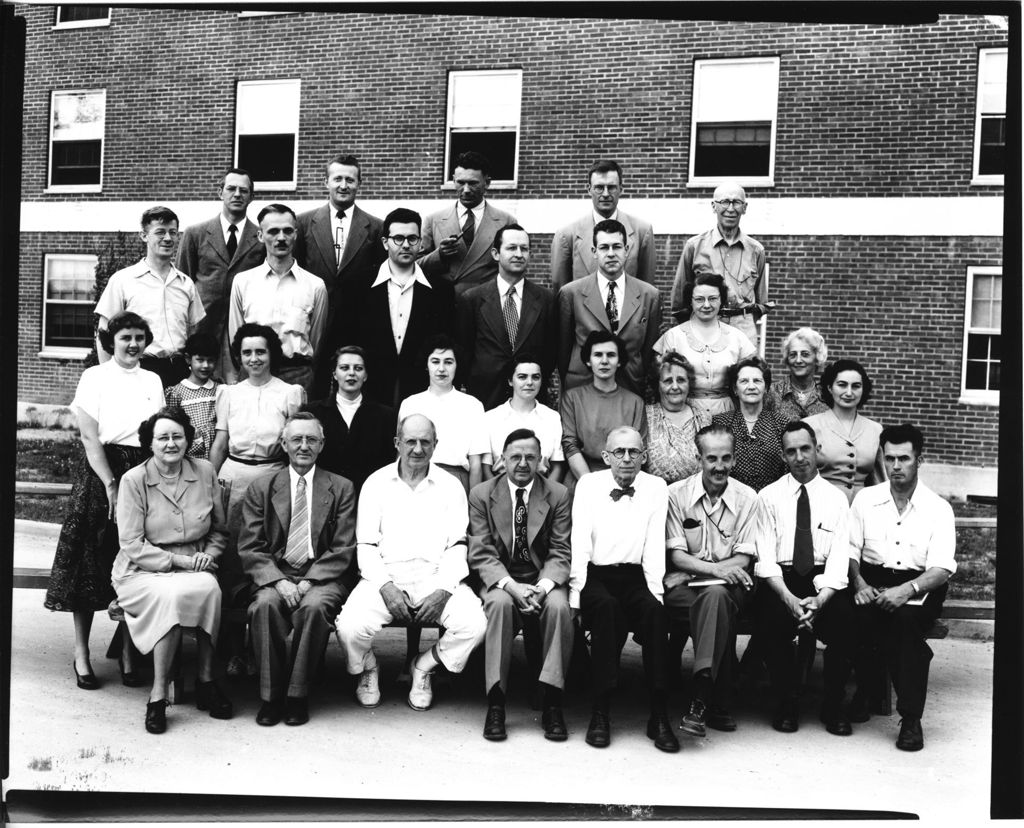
[(968, 216)]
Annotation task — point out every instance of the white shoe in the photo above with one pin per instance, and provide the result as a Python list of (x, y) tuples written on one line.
[(368, 689), (420, 694)]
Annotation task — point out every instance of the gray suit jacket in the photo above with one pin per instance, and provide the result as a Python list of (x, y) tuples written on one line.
[(467, 268), (572, 247)]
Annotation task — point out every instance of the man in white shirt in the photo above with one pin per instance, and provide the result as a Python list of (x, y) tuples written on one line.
[(802, 556), (411, 535), (618, 563), (902, 547)]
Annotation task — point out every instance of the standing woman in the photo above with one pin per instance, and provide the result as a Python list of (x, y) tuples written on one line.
[(795, 396), (672, 422), (111, 400), (849, 457)]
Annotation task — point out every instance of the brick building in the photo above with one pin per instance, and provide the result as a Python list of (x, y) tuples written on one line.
[(872, 156)]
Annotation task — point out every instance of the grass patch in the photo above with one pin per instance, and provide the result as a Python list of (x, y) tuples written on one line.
[(47, 460), (41, 764)]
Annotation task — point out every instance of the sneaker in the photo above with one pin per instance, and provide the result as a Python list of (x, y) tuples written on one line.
[(420, 694), (694, 722), (368, 689)]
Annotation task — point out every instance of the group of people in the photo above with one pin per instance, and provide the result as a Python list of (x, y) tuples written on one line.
[(381, 453)]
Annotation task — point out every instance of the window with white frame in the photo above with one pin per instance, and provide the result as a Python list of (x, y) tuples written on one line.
[(483, 116), (77, 122), (735, 107), (68, 280), (982, 335), (990, 121), (81, 16), (267, 131)]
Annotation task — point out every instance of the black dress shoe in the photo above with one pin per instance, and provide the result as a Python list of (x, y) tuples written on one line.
[(599, 733), (836, 722), (86, 682), (296, 710), (133, 678), (494, 724), (210, 697), (860, 708), (156, 716), (270, 713), (660, 730), (787, 718), (718, 718), (554, 724), (911, 736)]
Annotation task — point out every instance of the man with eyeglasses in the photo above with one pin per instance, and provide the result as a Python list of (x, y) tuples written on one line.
[(392, 316), (158, 292), (710, 541), (297, 546), (572, 252), (615, 579), (733, 255)]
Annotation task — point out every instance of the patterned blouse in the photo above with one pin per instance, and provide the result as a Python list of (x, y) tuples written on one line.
[(199, 402), (671, 452), (759, 455), (785, 400)]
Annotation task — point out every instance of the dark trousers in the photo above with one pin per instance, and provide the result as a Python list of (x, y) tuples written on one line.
[(898, 637), (834, 625), (614, 601), (171, 370)]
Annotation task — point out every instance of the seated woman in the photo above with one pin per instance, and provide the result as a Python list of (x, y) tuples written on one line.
[(672, 422), (590, 411), (849, 456), (172, 531), (795, 396)]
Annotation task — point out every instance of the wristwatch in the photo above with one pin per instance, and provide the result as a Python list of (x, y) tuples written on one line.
[(917, 589)]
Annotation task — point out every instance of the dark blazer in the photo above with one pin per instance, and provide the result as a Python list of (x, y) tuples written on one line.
[(355, 452), (483, 337), (266, 515), (548, 527), (468, 267)]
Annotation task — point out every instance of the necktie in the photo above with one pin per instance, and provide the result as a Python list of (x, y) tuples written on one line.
[(232, 240), (511, 316), (339, 239), (469, 228), (612, 308), (298, 533), (520, 550), (617, 494), (803, 545)]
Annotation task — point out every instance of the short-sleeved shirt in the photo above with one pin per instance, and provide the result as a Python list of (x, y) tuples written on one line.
[(671, 453), (710, 386), (728, 528), (459, 421), (757, 455), (254, 416), (846, 459), (118, 399), (542, 421)]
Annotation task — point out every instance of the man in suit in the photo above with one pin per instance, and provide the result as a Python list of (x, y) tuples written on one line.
[(572, 256), (297, 545), (214, 251), (391, 317), (499, 319), (609, 300), (457, 241), (519, 525), (338, 242)]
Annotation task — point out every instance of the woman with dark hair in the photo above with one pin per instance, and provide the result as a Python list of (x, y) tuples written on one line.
[(708, 345), (849, 456), (590, 411), (672, 422), (756, 428), (111, 400), (170, 520), (795, 396)]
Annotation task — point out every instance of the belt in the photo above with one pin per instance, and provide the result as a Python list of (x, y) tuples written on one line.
[(248, 461), (728, 312)]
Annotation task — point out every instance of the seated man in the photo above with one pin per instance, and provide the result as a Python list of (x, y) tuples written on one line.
[(902, 546), (411, 535), (519, 526), (297, 544), (710, 535), (618, 563)]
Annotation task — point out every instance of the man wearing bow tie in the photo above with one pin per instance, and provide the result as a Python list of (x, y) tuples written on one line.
[(618, 564)]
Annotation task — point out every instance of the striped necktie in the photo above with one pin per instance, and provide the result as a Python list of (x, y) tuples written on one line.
[(297, 550)]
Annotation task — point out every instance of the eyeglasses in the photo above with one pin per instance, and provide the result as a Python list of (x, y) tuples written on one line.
[(161, 233), (624, 453), (604, 188), (303, 440), (735, 203), (401, 240)]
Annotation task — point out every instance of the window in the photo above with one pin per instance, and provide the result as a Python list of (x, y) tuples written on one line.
[(734, 114), (68, 281), (982, 335), (80, 17), (76, 140), (267, 132), (483, 115), (990, 123)]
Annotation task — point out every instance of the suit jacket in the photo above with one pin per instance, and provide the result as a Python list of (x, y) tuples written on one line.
[(481, 332), (263, 537), (354, 453), (548, 527), (572, 247), (467, 268), (581, 310)]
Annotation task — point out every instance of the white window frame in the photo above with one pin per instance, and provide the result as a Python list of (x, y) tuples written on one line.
[(75, 188), (55, 351), (497, 183), (263, 184), (79, 24), (976, 178), (973, 396), (743, 181)]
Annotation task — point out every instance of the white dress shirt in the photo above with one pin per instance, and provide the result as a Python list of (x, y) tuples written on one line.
[(293, 479), (340, 227), (399, 299), (620, 284), (728, 528), (478, 214), (458, 419), (517, 294), (225, 224)]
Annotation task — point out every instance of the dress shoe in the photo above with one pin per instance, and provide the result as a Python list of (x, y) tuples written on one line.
[(210, 697), (296, 710), (911, 736), (156, 716), (836, 721), (87, 681), (132, 678), (860, 708), (270, 713), (660, 730), (554, 724), (368, 689), (718, 718), (787, 718), (494, 724), (694, 722), (599, 732), (421, 695)]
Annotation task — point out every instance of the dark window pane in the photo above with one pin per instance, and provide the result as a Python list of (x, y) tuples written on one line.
[(69, 326), (268, 157), (991, 156), (977, 346), (993, 376), (499, 147), (76, 162), (73, 13), (732, 149), (994, 350), (975, 376)]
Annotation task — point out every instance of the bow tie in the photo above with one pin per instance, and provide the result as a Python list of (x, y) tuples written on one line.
[(616, 494)]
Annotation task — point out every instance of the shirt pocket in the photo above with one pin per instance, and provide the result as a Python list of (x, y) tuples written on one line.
[(824, 537)]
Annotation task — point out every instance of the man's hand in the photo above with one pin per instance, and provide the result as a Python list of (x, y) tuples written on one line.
[(794, 606), (289, 592), (449, 247), (893, 598), (304, 587), (733, 574), (397, 604), (810, 607), (201, 562), (865, 593), (430, 608), (523, 594), (674, 579)]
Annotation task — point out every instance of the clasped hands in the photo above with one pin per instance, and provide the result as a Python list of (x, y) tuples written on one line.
[(804, 610), (199, 562), (888, 599), (528, 598), (292, 593), (405, 611)]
